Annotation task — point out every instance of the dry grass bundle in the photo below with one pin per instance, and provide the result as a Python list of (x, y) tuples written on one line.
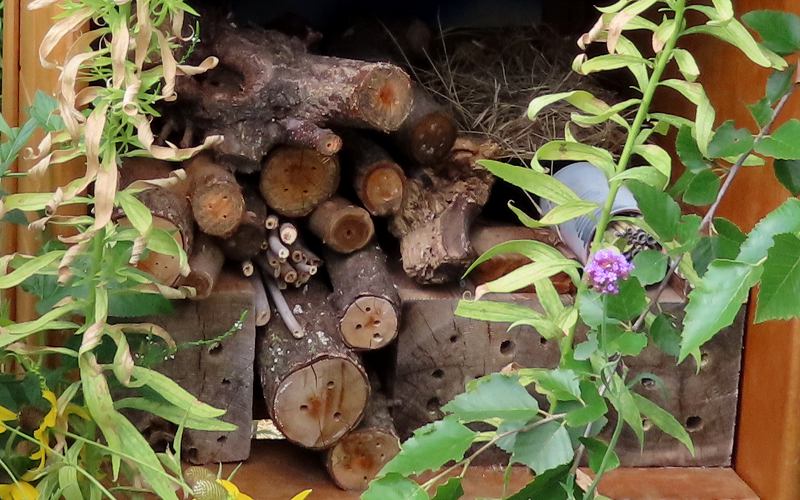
[(490, 75)]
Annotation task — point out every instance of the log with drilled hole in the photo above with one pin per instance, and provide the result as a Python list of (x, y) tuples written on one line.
[(250, 237), (315, 388), (171, 212), (341, 225), (428, 133), (294, 181), (217, 200), (378, 181), (364, 297), (266, 77), (358, 457), (205, 265)]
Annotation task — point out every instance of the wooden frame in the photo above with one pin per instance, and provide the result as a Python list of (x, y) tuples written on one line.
[(768, 443)]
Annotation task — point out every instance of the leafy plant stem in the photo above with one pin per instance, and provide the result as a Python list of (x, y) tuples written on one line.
[(606, 457), (712, 211), (641, 114), (467, 461)]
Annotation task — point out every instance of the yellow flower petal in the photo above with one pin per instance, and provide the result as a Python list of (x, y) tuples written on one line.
[(229, 487), (18, 491), (6, 414), (302, 495)]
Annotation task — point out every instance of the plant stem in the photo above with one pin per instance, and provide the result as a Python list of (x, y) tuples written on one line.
[(604, 463), (662, 60), (712, 211), (465, 462)]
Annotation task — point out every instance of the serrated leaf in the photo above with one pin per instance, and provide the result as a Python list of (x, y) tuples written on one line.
[(734, 33), (548, 486), (784, 219), (665, 335), (779, 296), (659, 210), (597, 450), (394, 486), (664, 421), (560, 384), (495, 396), (730, 141), (783, 143), (788, 173), (650, 267), (702, 189), (451, 490), (780, 83), (130, 304), (714, 304), (780, 31), (628, 303), (761, 112), (537, 183), (627, 343), (688, 152), (542, 448), (431, 447), (594, 407)]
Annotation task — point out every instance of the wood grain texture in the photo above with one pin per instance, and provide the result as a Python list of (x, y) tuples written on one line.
[(768, 432)]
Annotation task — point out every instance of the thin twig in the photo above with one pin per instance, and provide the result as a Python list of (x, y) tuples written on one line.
[(283, 309)]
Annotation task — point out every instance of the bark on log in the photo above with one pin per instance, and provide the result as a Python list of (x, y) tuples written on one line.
[(440, 251), (364, 298), (314, 387), (217, 200), (171, 212), (342, 226), (355, 460), (294, 181), (483, 237), (205, 264), (428, 133), (265, 76), (250, 237), (378, 181)]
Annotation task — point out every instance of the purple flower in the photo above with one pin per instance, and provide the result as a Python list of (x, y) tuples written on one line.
[(607, 268)]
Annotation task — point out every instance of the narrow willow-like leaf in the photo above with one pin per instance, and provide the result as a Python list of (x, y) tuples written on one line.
[(525, 276), (540, 184), (664, 421), (574, 151), (174, 414), (174, 393)]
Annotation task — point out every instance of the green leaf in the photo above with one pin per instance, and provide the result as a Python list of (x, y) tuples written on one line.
[(783, 143), (665, 335), (625, 404), (540, 184), (780, 83), (730, 141), (627, 343), (130, 304), (504, 312), (567, 211), (788, 173), (534, 250), (688, 152), (702, 189), (16, 217), (495, 396), (714, 304), (394, 487), (581, 99), (136, 212), (548, 486), (686, 64), (780, 31), (659, 210), (597, 450), (29, 268), (431, 447), (779, 296), (585, 349), (628, 303), (451, 490), (650, 267), (646, 175), (607, 62), (562, 385), (174, 414), (574, 151), (525, 276), (761, 112), (664, 421), (784, 219), (174, 393), (734, 33), (542, 448), (594, 407)]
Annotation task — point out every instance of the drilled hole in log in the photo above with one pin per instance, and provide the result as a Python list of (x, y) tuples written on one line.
[(478, 376), (303, 407), (215, 349), (542, 340), (226, 381), (369, 323), (705, 359), (646, 424), (506, 347), (437, 373), (648, 383), (337, 416), (453, 339), (694, 423), (222, 439), (433, 405), (331, 384)]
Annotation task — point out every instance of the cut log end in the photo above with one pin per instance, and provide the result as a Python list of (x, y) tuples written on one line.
[(382, 189), (384, 97), (431, 138), (318, 404), (342, 226), (218, 209), (165, 268), (355, 460), (295, 180), (369, 323)]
